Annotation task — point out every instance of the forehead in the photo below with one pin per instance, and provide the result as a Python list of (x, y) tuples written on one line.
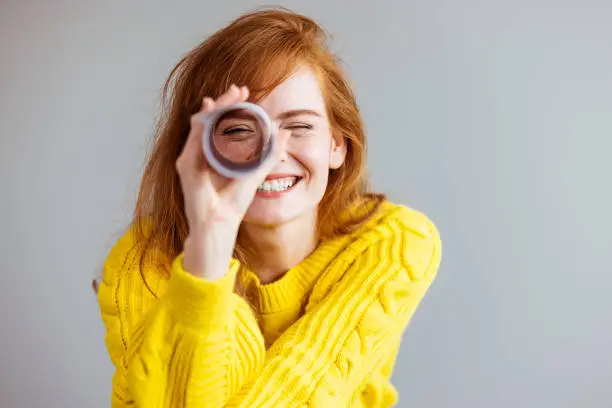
[(300, 91)]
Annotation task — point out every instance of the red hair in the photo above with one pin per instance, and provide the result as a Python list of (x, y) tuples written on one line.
[(260, 50)]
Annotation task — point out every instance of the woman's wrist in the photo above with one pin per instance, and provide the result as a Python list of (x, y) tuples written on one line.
[(207, 253)]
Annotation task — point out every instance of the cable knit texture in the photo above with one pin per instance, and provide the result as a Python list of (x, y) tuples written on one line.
[(324, 335)]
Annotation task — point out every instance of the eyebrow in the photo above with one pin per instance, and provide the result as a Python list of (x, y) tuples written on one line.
[(296, 112)]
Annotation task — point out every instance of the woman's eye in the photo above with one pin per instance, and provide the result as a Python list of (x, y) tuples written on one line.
[(233, 131), (238, 134), (300, 128)]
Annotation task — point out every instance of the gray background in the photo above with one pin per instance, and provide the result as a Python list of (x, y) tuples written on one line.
[(493, 117)]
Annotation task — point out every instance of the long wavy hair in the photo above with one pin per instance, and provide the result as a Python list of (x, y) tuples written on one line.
[(259, 49)]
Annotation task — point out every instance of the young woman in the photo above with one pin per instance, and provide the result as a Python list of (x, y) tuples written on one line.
[(258, 292)]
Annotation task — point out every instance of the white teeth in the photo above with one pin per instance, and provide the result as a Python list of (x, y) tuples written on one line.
[(277, 184)]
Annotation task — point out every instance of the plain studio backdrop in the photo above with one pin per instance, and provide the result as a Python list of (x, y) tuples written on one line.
[(492, 117)]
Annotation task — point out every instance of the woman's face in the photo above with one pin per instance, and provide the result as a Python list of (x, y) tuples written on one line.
[(296, 185)]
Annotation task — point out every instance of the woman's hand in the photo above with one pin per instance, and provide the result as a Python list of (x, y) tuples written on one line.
[(214, 205)]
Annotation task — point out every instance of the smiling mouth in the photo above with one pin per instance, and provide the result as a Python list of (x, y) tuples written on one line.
[(278, 185)]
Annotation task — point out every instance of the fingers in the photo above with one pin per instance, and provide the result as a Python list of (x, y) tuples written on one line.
[(233, 95), (189, 155)]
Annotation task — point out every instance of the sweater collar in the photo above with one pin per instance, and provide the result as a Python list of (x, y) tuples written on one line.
[(295, 284), (299, 280)]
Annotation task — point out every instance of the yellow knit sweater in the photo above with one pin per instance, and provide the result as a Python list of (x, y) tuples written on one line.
[(323, 336)]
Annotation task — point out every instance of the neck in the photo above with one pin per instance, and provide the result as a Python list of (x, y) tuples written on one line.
[(272, 251)]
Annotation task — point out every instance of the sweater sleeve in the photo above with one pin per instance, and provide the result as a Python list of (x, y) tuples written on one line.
[(192, 347), (324, 357)]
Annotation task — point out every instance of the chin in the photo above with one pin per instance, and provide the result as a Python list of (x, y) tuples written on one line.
[(268, 216), (272, 213)]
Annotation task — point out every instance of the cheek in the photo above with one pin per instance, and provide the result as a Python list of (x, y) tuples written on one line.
[(313, 153)]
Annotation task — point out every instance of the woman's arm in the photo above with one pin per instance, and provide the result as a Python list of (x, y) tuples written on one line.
[(192, 347), (323, 358), (197, 344)]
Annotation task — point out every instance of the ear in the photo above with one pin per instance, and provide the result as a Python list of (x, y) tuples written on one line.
[(337, 152)]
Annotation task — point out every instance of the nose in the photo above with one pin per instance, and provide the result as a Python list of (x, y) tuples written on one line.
[(283, 134)]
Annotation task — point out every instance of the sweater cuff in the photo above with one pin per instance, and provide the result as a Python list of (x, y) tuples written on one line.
[(198, 301)]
